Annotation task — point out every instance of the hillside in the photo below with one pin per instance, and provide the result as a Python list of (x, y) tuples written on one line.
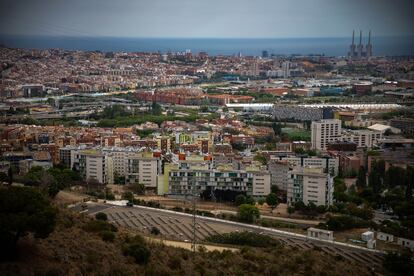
[(72, 249)]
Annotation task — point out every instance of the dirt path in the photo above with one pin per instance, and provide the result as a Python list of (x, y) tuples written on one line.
[(188, 245)]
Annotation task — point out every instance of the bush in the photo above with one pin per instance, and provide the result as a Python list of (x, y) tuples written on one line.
[(138, 251), (248, 213), (107, 236), (99, 226), (22, 211), (239, 200), (155, 230), (400, 263), (344, 222), (245, 239), (101, 216)]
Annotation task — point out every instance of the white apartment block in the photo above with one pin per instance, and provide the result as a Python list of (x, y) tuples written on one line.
[(325, 132), (279, 173), (143, 169), (261, 184), (327, 164), (362, 138), (120, 157), (183, 181), (310, 185), (92, 164)]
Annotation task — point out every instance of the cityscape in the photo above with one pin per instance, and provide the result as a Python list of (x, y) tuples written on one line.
[(235, 157)]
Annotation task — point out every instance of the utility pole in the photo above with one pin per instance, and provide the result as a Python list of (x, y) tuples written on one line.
[(194, 218)]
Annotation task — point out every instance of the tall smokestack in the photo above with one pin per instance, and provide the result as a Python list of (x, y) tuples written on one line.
[(353, 37), (360, 47), (369, 37), (369, 46)]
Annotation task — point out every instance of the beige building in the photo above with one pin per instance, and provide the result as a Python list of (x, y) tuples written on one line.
[(362, 138), (310, 185), (143, 168), (92, 164), (325, 132)]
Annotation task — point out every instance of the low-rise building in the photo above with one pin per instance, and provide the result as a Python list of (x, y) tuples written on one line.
[(189, 181), (320, 234)]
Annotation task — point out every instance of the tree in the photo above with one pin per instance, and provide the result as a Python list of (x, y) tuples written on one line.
[(260, 158), (239, 200), (138, 251), (277, 128), (248, 213), (10, 175), (361, 178), (272, 201), (138, 188), (23, 210), (128, 196), (156, 109), (3, 177), (274, 189), (155, 231), (250, 200), (101, 216)]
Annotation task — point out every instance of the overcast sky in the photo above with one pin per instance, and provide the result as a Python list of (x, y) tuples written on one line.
[(206, 18)]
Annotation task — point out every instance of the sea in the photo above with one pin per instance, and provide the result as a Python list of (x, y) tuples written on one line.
[(334, 46)]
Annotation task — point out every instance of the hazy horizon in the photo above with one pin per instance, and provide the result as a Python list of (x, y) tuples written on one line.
[(206, 19)]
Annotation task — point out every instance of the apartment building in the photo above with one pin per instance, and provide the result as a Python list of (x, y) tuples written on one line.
[(362, 138), (326, 163), (189, 181), (120, 157), (325, 132), (93, 164), (143, 168), (309, 185), (279, 173)]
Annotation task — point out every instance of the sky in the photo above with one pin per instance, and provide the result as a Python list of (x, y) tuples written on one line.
[(206, 18)]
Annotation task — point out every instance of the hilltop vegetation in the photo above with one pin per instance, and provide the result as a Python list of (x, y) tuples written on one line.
[(82, 245)]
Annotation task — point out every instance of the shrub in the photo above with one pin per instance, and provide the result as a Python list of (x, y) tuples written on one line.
[(245, 239), (99, 226), (107, 236), (248, 213), (155, 230), (101, 216), (399, 263), (139, 252)]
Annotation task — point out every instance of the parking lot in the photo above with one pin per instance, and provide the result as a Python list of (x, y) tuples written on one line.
[(176, 226)]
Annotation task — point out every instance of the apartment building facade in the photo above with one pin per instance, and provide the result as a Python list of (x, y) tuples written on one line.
[(189, 181), (310, 185), (325, 132)]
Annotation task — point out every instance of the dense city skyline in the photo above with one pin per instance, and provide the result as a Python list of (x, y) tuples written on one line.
[(215, 19)]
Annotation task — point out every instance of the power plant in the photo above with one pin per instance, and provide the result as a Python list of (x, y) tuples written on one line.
[(357, 51)]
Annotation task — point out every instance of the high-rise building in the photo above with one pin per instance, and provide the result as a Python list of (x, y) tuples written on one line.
[(143, 168), (310, 185), (265, 54), (325, 132)]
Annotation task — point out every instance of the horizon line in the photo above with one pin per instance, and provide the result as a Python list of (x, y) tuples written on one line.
[(187, 37)]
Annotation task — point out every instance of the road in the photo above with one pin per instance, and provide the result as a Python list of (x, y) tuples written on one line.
[(178, 226)]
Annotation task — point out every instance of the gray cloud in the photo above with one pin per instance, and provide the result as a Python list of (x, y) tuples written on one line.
[(202, 18)]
